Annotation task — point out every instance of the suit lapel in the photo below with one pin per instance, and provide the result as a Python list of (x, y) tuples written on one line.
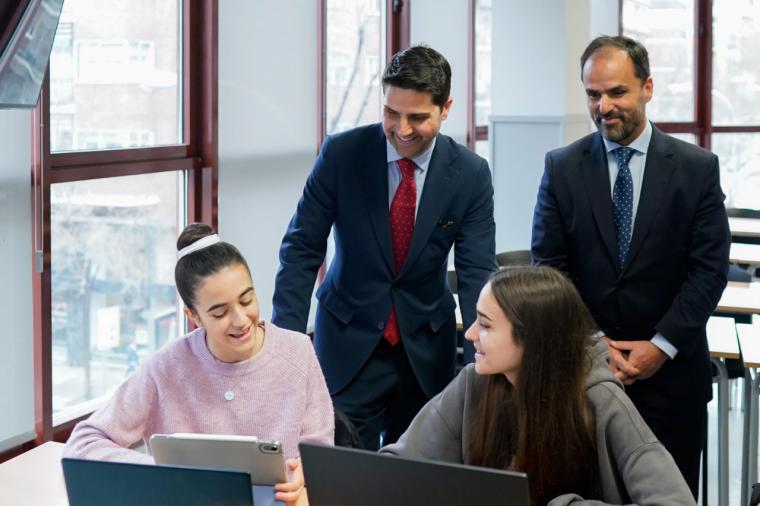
[(376, 191), (596, 178), (436, 195), (657, 174)]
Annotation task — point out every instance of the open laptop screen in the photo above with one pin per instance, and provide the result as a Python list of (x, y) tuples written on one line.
[(345, 477), (95, 483)]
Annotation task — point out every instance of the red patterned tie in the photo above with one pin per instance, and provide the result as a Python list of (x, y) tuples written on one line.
[(402, 226)]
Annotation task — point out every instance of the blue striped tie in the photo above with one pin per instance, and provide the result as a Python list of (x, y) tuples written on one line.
[(622, 202)]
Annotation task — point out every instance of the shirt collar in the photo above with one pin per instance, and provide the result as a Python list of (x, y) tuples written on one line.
[(421, 161), (640, 144)]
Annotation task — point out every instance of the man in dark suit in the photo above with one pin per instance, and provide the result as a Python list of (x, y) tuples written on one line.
[(398, 196), (636, 219)]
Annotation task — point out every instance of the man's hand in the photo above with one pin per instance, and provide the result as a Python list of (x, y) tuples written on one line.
[(619, 364), (641, 359)]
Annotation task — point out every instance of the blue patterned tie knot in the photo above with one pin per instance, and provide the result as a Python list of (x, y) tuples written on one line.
[(623, 155), (622, 202)]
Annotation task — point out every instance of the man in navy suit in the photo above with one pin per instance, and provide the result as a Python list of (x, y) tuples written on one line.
[(398, 195), (636, 219)]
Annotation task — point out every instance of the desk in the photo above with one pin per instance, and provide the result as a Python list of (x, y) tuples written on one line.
[(721, 340), (740, 298), (743, 253), (458, 313), (749, 340), (34, 478), (744, 227)]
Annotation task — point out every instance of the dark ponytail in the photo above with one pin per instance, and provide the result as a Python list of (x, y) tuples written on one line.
[(191, 268)]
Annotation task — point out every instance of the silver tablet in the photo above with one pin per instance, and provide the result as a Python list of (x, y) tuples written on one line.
[(261, 458)]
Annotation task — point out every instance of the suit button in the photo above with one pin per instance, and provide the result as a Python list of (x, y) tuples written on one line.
[(380, 325)]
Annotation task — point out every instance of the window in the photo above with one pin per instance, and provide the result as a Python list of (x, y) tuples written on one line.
[(705, 91), (113, 290), (372, 70), (480, 79), (112, 86), (667, 31), (127, 156), (354, 47), (108, 61)]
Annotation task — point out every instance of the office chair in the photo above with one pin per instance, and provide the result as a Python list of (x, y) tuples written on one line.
[(516, 257)]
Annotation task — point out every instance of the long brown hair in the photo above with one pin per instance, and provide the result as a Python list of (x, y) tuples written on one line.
[(542, 425)]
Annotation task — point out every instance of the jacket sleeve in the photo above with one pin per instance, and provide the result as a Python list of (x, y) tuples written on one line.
[(576, 500), (436, 432), (651, 479), (548, 239), (708, 268), (112, 430), (474, 249), (303, 248), (630, 451)]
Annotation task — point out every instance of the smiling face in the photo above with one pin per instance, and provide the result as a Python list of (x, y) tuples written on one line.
[(616, 98), (227, 308), (411, 120), (497, 351)]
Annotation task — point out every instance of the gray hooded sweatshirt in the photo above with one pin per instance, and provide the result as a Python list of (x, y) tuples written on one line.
[(634, 468)]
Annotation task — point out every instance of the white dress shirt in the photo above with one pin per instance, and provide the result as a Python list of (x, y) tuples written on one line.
[(636, 165)]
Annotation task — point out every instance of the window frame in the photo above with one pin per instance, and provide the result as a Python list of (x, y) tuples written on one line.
[(702, 127), (197, 155), (475, 132), (397, 30)]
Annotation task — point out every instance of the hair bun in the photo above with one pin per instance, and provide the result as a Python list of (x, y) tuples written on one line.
[(192, 233)]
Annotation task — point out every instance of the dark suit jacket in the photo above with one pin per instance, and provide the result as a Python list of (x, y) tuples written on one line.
[(348, 189), (676, 267)]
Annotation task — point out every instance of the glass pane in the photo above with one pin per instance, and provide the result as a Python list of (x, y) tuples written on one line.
[(482, 61), (115, 75), (355, 58), (736, 62), (482, 148), (690, 138), (666, 28), (113, 296), (739, 168)]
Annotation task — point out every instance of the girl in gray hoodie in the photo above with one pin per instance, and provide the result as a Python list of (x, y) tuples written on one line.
[(541, 399)]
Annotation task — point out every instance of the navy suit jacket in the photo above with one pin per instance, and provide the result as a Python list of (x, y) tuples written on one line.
[(348, 190), (677, 264)]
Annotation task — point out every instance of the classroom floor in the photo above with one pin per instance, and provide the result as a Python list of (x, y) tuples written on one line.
[(735, 428)]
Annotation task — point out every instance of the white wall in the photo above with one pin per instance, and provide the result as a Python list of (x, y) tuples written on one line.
[(267, 125), (17, 338), (442, 25), (527, 58), (538, 98)]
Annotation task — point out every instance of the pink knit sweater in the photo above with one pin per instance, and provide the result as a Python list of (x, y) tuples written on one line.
[(279, 393)]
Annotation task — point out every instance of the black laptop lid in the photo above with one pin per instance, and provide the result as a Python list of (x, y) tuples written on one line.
[(96, 483), (347, 477)]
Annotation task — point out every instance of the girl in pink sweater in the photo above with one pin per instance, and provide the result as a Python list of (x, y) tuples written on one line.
[(234, 374)]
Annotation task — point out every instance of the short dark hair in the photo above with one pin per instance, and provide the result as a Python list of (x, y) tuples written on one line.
[(635, 50), (190, 269), (420, 68)]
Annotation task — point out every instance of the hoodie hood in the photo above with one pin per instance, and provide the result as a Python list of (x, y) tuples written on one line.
[(599, 357)]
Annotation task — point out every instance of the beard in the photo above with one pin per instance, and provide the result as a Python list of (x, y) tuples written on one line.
[(628, 124)]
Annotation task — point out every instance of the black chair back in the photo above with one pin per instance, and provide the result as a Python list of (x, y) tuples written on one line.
[(516, 257)]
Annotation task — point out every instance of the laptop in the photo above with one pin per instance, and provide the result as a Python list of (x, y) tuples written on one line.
[(95, 483), (262, 459), (338, 476)]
